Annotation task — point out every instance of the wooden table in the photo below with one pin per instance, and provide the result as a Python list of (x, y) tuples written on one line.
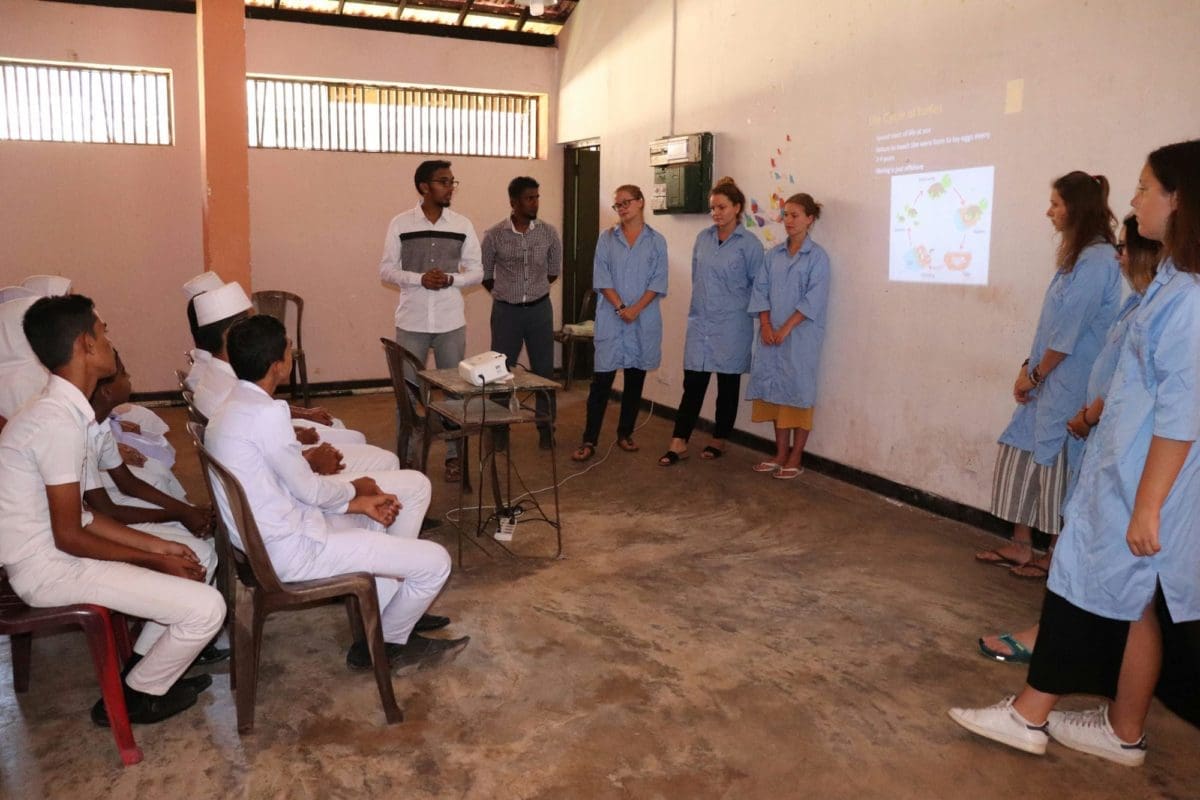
[(482, 410)]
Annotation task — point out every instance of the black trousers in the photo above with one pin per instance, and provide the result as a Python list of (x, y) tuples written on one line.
[(695, 386), (597, 402), (532, 327)]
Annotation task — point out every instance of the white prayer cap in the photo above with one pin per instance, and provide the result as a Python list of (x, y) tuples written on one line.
[(204, 282), (221, 303), (48, 285), (16, 293)]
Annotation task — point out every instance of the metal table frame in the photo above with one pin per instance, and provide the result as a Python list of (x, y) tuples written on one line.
[(475, 410)]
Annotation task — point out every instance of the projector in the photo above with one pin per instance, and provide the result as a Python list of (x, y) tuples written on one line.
[(484, 368)]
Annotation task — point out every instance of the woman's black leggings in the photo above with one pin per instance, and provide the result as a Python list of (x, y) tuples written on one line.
[(695, 386)]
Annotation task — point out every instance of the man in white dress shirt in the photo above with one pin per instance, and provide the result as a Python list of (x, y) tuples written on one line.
[(430, 254), (56, 553), (316, 526)]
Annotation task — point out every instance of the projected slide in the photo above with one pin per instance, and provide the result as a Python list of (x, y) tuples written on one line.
[(942, 226)]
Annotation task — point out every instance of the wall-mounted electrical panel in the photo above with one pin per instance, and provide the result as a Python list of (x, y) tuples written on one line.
[(682, 173)]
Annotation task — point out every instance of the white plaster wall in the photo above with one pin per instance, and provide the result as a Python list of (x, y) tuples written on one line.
[(915, 379), (125, 221)]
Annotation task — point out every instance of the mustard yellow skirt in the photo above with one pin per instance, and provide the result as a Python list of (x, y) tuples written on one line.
[(782, 416)]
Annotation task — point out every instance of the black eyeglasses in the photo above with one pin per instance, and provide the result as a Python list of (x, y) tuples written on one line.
[(624, 204), (446, 182)]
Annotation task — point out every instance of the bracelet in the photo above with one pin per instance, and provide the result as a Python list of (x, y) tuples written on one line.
[(1035, 377), (620, 308), (1025, 363)]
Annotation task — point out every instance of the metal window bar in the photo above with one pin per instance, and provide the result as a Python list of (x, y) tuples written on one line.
[(44, 102), (296, 114)]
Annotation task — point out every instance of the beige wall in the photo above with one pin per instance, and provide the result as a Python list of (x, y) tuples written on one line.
[(124, 221), (916, 379)]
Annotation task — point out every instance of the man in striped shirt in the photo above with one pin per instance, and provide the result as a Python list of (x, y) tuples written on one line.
[(522, 256)]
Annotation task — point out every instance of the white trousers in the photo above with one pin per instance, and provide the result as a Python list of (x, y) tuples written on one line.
[(410, 572), (190, 612), (336, 434), (205, 552), (360, 458)]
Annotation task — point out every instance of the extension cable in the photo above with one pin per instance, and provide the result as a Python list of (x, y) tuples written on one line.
[(508, 527)]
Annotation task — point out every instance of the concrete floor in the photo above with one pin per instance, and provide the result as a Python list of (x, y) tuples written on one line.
[(710, 633)]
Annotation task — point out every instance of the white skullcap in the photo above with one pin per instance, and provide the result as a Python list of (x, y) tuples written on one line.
[(48, 285), (221, 303), (204, 282), (16, 293)]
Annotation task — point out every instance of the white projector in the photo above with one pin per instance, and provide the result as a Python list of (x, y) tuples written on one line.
[(484, 368)]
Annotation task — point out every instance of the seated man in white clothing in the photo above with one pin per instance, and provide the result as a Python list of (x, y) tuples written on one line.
[(211, 314), (316, 526), (57, 553), (111, 489)]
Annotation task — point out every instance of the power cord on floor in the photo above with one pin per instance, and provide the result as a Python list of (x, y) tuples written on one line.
[(452, 514)]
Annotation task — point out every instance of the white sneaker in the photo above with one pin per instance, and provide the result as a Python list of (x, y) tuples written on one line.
[(1090, 732), (1003, 724)]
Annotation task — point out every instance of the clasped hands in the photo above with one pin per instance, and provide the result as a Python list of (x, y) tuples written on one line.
[(372, 501), (773, 337), (436, 279)]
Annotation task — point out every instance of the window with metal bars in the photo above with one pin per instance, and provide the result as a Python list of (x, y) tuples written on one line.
[(43, 101), (300, 114)]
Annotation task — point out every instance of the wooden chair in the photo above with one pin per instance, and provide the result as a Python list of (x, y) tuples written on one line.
[(412, 399), (571, 339), (263, 594), (108, 639), (276, 303), (194, 415)]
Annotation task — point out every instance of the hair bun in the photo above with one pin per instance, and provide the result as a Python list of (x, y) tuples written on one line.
[(725, 181)]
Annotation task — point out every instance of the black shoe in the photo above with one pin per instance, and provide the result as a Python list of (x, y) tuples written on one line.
[(545, 439), (429, 523), (430, 622), (146, 709), (211, 654), (197, 683), (419, 651)]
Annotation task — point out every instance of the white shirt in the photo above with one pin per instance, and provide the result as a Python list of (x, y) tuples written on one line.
[(217, 380), (426, 310), (200, 361), (251, 435), (44, 445), (22, 376)]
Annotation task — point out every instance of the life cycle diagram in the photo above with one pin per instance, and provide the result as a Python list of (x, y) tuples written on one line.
[(941, 226)]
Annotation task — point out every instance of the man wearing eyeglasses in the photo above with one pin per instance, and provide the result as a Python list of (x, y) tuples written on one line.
[(430, 254)]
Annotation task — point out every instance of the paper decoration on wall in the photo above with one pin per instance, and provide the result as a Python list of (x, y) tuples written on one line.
[(767, 220)]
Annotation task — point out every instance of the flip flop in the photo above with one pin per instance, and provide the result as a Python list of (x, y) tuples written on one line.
[(787, 473), (671, 458), (453, 470), (1020, 653), (1040, 572), (711, 453), (585, 452), (628, 444), (997, 559), (766, 466)]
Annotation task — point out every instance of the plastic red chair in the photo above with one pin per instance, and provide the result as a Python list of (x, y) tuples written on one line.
[(108, 639)]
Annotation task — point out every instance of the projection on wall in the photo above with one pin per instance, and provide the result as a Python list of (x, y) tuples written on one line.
[(941, 226)]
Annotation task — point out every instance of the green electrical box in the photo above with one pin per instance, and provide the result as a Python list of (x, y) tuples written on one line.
[(682, 173)]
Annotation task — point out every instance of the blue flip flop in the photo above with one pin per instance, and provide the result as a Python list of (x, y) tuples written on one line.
[(1020, 653)]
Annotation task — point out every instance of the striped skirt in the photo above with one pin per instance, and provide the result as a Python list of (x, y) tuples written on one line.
[(1028, 493)]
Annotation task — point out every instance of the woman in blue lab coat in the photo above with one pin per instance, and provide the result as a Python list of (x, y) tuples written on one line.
[(1139, 258), (1079, 307), (725, 261), (790, 298), (629, 275), (1131, 530)]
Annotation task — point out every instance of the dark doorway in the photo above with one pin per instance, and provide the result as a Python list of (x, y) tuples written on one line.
[(581, 228)]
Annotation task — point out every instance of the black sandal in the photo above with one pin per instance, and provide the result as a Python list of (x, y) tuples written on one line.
[(711, 453), (671, 458)]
